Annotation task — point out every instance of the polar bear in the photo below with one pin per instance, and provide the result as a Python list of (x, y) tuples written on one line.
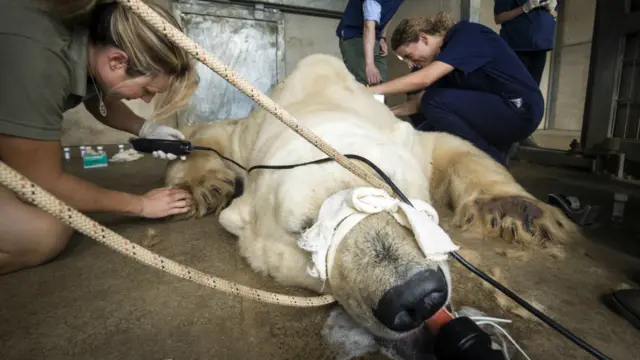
[(378, 273)]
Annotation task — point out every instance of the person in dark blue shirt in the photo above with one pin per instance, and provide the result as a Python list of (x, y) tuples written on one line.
[(528, 26), (475, 86), (363, 45)]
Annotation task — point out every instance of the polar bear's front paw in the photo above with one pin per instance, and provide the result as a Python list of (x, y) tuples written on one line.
[(516, 219)]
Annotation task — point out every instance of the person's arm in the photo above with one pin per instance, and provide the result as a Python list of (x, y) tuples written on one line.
[(34, 110), (119, 115), (371, 10), (501, 17), (414, 81), (508, 15), (369, 40), (41, 162)]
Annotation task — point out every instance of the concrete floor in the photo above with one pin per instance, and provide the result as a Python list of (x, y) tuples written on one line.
[(93, 303)]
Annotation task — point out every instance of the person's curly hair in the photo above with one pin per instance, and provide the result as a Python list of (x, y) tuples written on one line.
[(408, 31)]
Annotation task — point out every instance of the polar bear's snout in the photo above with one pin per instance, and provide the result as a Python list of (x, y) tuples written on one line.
[(406, 306), (384, 281)]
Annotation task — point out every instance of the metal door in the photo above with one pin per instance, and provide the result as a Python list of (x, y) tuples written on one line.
[(248, 39), (612, 106)]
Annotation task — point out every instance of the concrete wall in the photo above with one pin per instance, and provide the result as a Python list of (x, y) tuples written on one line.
[(306, 35), (573, 57), (486, 14)]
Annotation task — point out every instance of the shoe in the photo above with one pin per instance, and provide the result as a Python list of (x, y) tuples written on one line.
[(626, 303), (582, 215)]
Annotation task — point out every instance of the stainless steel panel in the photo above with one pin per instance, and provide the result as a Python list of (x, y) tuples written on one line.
[(248, 40)]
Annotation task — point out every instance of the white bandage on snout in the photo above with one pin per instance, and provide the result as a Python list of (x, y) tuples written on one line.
[(343, 210)]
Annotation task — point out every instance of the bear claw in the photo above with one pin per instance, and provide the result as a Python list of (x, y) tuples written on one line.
[(513, 218)]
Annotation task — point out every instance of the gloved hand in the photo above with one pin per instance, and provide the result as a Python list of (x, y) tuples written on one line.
[(551, 5), (532, 4), (151, 130)]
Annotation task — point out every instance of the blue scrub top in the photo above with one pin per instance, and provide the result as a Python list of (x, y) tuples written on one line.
[(533, 31), (483, 61), (352, 23)]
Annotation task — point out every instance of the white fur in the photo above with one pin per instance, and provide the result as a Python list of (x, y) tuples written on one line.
[(277, 206), (284, 199)]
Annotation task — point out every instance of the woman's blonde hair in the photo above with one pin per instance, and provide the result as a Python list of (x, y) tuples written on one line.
[(150, 53), (408, 31)]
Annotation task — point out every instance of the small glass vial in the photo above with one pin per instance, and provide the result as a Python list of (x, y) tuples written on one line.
[(67, 153), (619, 201), (82, 151), (120, 148)]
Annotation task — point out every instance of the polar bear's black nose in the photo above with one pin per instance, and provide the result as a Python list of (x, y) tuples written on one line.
[(406, 306)]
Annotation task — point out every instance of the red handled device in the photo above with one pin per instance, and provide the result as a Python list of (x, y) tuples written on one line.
[(437, 321), (460, 338)]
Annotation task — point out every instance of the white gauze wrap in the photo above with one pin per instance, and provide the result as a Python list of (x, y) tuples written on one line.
[(343, 210)]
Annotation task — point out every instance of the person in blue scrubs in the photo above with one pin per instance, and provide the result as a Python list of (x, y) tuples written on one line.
[(528, 26), (417, 120), (474, 85), (362, 38)]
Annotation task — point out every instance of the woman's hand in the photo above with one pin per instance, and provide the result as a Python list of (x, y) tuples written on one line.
[(373, 75), (532, 4), (151, 130), (163, 202)]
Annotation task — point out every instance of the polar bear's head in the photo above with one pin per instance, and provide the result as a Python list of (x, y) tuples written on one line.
[(384, 281)]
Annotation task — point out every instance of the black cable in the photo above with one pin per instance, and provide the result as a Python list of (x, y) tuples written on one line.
[(222, 156), (540, 315), (520, 301)]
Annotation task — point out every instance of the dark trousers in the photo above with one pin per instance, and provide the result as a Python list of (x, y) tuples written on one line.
[(419, 122), (352, 51), (488, 121), (534, 61)]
